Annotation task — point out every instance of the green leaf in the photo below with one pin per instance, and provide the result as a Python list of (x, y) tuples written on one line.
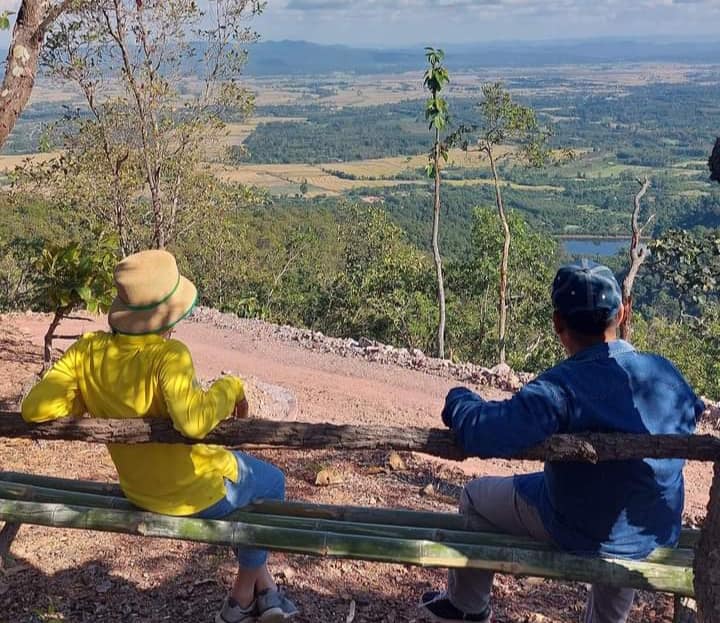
[(85, 293), (5, 19)]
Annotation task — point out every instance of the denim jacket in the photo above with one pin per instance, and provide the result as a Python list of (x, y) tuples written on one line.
[(614, 508)]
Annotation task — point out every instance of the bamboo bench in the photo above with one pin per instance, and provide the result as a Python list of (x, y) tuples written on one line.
[(426, 539), (381, 535)]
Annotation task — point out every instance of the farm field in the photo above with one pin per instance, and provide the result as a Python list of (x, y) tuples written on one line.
[(325, 178), (347, 137), (280, 179), (358, 91)]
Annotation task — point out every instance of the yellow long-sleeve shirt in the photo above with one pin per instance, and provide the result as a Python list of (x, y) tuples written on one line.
[(120, 376)]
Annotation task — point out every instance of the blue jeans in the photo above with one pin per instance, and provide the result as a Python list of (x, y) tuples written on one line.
[(257, 480)]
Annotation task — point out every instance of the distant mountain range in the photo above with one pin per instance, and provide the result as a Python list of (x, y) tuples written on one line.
[(302, 57), (297, 58)]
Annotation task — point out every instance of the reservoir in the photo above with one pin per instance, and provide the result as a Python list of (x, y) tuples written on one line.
[(594, 247)]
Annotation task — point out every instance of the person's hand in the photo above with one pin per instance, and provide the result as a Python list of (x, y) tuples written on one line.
[(446, 415), (455, 395), (241, 409)]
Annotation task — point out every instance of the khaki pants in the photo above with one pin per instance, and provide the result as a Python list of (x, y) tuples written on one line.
[(492, 505)]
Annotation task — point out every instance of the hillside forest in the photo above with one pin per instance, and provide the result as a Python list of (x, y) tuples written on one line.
[(306, 200)]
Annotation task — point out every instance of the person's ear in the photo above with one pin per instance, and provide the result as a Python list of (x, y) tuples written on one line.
[(559, 323), (622, 314)]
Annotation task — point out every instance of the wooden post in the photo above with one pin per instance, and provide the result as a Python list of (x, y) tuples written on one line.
[(707, 558), (7, 535)]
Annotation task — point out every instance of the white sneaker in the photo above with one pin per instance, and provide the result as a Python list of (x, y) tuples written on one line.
[(236, 614), (274, 607)]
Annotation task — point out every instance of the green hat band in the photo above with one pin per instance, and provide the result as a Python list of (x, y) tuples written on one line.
[(150, 306)]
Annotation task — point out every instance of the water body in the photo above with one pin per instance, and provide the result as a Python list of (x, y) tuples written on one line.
[(594, 247)]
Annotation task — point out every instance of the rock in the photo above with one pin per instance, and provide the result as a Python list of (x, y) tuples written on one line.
[(329, 476), (428, 490), (712, 411), (530, 581), (505, 377), (286, 572), (271, 402), (502, 369), (395, 462), (501, 377)]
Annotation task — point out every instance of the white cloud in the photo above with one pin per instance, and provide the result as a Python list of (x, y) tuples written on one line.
[(398, 22), (550, 6), (391, 23)]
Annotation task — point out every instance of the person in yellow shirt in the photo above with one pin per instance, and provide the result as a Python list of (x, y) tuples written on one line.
[(136, 371)]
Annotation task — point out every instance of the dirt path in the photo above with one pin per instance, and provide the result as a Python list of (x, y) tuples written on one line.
[(75, 576)]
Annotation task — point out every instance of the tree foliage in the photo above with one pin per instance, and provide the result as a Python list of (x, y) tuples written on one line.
[(693, 346), (503, 123), (688, 264), (437, 116), (531, 343), (140, 141), (75, 275), (383, 285)]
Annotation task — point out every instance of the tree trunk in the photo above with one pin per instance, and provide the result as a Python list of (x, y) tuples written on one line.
[(50, 336), (502, 291), (22, 62), (254, 434), (7, 536), (436, 251), (707, 557), (637, 257), (118, 30), (158, 220)]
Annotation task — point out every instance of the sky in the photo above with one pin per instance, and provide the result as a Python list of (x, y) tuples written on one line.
[(390, 23), (394, 23)]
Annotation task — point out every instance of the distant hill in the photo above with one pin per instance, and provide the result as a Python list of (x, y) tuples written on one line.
[(301, 57), (297, 58)]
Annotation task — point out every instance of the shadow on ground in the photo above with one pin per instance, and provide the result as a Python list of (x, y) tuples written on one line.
[(325, 590)]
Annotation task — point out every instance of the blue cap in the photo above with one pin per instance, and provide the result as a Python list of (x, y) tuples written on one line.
[(586, 286)]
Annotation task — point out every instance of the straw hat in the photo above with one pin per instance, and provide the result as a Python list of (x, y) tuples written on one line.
[(152, 295)]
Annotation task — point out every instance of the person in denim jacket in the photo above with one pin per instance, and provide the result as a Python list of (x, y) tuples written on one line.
[(622, 509)]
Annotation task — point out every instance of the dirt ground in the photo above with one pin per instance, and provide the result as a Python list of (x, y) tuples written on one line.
[(78, 576)]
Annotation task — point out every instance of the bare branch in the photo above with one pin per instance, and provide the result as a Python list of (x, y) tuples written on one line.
[(53, 13), (651, 218)]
